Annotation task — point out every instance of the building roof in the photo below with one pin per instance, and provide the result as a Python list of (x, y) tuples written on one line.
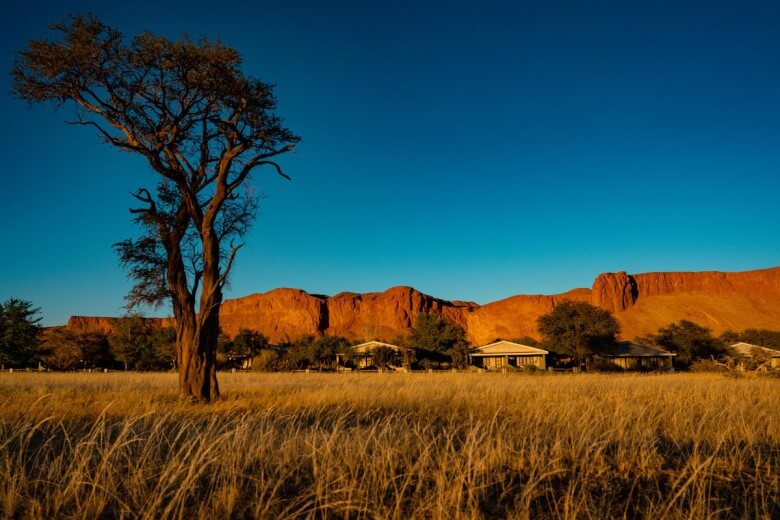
[(744, 349), (504, 348), (371, 345), (631, 349)]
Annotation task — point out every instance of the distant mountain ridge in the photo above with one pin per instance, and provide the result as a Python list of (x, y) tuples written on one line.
[(641, 302)]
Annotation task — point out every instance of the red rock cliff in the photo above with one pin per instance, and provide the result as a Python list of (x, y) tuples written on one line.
[(515, 316), (387, 314), (280, 314), (105, 324), (641, 302)]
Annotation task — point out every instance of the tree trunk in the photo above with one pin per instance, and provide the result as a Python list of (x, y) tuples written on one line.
[(198, 332), (196, 335), (197, 357)]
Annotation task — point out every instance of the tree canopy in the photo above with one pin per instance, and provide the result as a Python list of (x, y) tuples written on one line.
[(63, 349), (761, 337), (189, 111), (140, 345), (19, 333), (578, 329), (435, 338), (689, 341)]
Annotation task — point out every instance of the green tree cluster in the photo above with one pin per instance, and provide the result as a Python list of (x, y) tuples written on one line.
[(63, 349), (436, 340), (309, 351), (761, 337), (245, 345), (690, 341), (138, 345), (578, 329), (19, 334)]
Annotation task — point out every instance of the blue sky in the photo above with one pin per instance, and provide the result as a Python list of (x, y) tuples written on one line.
[(473, 151)]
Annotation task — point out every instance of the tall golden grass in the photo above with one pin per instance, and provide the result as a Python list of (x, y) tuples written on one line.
[(390, 446)]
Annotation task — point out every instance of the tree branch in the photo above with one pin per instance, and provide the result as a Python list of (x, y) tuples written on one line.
[(226, 272)]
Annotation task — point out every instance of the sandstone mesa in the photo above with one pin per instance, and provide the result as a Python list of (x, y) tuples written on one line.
[(642, 303)]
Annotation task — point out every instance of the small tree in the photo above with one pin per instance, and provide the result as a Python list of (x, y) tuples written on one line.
[(133, 343), (299, 353), (325, 350), (408, 354), (436, 339), (761, 337), (383, 356), (246, 344), (267, 360), (165, 346), (459, 354), (63, 349), (578, 329), (19, 333), (689, 341)]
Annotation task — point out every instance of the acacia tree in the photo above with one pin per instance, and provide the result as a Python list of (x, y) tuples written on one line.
[(434, 337), (187, 109), (578, 329), (689, 341)]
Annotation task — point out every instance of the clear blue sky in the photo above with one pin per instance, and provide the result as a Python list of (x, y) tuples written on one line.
[(473, 151)]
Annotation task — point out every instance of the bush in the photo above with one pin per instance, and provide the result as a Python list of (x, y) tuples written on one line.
[(707, 365), (266, 361), (603, 365)]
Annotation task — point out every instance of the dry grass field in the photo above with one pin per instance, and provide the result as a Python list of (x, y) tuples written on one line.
[(391, 446)]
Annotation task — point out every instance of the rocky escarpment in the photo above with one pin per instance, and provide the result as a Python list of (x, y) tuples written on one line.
[(717, 300), (614, 291), (386, 314), (641, 302), (516, 316), (106, 324), (281, 314)]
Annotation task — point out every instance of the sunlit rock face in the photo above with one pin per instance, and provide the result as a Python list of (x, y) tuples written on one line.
[(281, 314), (106, 324), (614, 292), (383, 315), (641, 302), (516, 316)]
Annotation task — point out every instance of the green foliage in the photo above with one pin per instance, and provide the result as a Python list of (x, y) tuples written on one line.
[(247, 343), (729, 337), (63, 349), (578, 329), (309, 351), (268, 360), (760, 337), (459, 354), (139, 346), (689, 341), (352, 358), (408, 354), (436, 339), (603, 365), (383, 356), (325, 349), (165, 347), (19, 333)]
